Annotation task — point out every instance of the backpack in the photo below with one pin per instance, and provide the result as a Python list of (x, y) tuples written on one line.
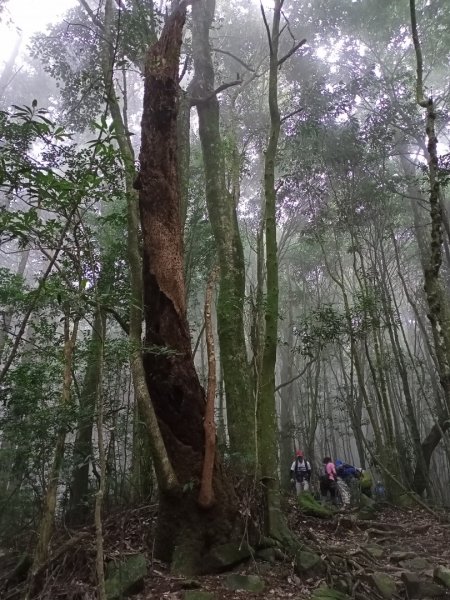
[(301, 468), (366, 480), (346, 471)]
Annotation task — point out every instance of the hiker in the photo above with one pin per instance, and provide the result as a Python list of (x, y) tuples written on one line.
[(380, 492), (348, 482), (328, 480), (300, 473), (347, 472)]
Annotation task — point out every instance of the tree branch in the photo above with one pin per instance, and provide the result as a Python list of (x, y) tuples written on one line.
[(184, 69), (266, 25), (292, 51), (197, 343), (288, 25), (420, 98), (291, 114), (236, 58), (289, 381), (221, 88), (92, 14)]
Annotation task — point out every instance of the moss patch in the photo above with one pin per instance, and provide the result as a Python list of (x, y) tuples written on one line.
[(311, 507)]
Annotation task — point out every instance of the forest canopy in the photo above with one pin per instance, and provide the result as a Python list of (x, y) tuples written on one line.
[(224, 239)]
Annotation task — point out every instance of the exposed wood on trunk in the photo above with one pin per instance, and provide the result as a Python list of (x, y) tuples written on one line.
[(172, 380), (163, 468)]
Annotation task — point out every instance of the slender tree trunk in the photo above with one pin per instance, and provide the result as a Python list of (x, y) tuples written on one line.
[(100, 568), (206, 495), (49, 506), (266, 413), (421, 466), (8, 314), (286, 413), (354, 403), (223, 216), (438, 305), (36, 295), (7, 73), (82, 449), (439, 310), (356, 361)]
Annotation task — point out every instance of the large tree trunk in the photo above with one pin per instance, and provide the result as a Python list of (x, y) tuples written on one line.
[(163, 468), (429, 445), (184, 530)]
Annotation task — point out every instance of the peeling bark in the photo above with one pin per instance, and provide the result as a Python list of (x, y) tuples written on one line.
[(184, 529), (163, 468)]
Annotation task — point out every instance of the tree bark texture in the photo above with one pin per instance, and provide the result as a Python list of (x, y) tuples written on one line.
[(266, 413), (206, 496), (286, 397), (82, 448), (185, 530), (223, 216), (163, 469), (437, 299)]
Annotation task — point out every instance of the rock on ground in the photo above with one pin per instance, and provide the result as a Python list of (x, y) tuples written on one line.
[(126, 577)]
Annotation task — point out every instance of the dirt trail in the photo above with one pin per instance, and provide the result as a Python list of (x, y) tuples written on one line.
[(347, 546)]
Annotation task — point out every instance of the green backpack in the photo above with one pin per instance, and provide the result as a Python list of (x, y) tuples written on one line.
[(366, 480)]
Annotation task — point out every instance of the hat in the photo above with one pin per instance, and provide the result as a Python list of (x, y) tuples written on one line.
[(299, 453), (339, 463)]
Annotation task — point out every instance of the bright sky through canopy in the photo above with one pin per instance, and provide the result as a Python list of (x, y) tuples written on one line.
[(28, 17)]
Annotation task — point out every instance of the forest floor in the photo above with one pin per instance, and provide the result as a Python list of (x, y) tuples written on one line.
[(398, 540)]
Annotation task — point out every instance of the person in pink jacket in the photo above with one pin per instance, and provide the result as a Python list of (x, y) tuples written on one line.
[(328, 480)]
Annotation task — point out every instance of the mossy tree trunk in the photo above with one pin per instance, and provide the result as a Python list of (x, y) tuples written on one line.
[(286, 400), (184, 529), (267, 430), (437, 298), (439, 313), (206, 495), (223, 216)]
